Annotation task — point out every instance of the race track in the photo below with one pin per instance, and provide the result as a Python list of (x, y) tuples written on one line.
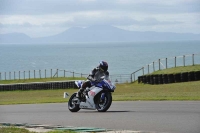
[(158, 116)]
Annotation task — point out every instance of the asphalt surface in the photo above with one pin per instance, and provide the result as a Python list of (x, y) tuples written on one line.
[(158, 116)]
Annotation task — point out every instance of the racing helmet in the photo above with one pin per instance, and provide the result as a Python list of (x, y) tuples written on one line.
[(103, 66)]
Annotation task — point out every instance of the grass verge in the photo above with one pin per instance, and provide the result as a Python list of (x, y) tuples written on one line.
[(176, 91), (179, 69), (23, 130), (123, 92)]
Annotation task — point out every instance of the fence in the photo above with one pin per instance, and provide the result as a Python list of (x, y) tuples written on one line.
[(160, 64), (165, 63), (121, 78), (52, 73), (55, 84), (56, 73)]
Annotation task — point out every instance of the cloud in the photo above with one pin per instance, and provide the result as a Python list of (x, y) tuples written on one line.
[(153, 21), (16, 25), (81, 19), (53, 16), (119, 20), (38, 7)]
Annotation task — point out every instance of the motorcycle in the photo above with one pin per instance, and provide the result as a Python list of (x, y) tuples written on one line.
[(96, 97)]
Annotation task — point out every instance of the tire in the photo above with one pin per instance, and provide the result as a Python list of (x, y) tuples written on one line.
[(165, 79), (105, 105), (184, 77), (72, 106), (148, 79), (177, 77)]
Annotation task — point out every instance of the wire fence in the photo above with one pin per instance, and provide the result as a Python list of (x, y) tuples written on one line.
[(34, 74), (55, 73), (159, 64), (121, 78), (164, 63)]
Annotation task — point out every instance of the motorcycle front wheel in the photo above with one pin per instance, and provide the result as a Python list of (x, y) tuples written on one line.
[(73, 105), (102, 105)]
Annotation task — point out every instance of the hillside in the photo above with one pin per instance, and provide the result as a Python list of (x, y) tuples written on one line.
[(180, 69), (99, 34)]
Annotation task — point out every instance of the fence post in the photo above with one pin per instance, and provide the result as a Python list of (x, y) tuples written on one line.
[(166, 63), (45, 72), (19, 75), (131, 78), (5, 75), (14, 75), (73, 74), (40, 73), (148, 68), (0, 76), (183, 60), (57, 73), (81, 75), (153, 67), (34, 74), (175, 61), (64, 73), (193, 59), (24, 75), (159, 63), (134, 77), (143, 70), (10, 75), (51, 73), (29, 74)]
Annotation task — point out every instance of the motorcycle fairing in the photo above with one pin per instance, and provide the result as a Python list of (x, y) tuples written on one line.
[(79, 83), (89, 104), (106, 84)]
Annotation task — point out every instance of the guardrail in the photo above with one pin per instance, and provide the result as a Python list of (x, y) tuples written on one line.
[(165, 63)]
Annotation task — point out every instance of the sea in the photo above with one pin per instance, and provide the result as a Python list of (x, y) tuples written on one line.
[(122, 57)]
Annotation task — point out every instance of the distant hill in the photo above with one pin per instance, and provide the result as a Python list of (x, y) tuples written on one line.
[(15, 38), (99, 34)]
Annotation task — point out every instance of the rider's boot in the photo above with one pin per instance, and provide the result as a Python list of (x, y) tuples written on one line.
[(79, 92)]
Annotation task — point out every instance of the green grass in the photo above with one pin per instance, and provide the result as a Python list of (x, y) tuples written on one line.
[(39, 80), (176, 91), (23, 130), (34, 96), (13, 130), (123, 92), (178, 70)]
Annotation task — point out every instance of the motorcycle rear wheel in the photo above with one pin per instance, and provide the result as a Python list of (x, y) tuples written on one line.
[(103, 106), (72, 104)]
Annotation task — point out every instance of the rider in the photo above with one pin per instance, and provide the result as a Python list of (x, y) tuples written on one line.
[(95, 76)]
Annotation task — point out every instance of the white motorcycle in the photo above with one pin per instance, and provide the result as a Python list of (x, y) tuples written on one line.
[(96, 97)]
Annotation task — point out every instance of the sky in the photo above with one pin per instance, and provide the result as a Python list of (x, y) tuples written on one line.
[(40, 18)]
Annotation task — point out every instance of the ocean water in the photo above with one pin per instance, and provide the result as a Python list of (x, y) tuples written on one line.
[(122, 57)]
